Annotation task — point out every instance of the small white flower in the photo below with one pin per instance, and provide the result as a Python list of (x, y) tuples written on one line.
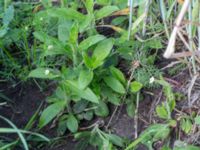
[(152, 79), (46, 72), (41, 19), (26, 28), (50, 47)]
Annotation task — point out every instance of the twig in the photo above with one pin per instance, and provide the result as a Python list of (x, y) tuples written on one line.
[(190, 88), (4, 103), (171, 65), (136, 115)]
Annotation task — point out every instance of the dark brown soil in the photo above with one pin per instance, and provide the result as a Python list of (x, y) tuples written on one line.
[(24, 102)]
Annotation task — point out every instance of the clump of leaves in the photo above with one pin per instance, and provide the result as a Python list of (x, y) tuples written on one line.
[(99, 139), (165, 109), (86, 82), (157, 132)]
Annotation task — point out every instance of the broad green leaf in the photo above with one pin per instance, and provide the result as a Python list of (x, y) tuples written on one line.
[(8, 15), (51, 112), (105, 11), (114, 84), (154, 43), (197, 120), (89, 95), (40, 36), (101, 52), (86, 94), (102, 109), (43, 73), (83, 134), (162, 112), (103, 49), (85, 78), (52, 45), (135, 86), (103, 2), (72, 123), (89, 4), (62, 127), (85, 44), (186, 125), (118, 74), (74, 34), (130, 108), (88, 115), (88, 61), (85, 24), (111, 96), (63, 31), (80, 106), (3, 31), (161, 133), (67, 14), (116, 140)]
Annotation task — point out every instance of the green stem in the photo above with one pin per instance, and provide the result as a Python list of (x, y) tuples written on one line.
[(74, 56), (190, 38), (27, 49), (130, 18)]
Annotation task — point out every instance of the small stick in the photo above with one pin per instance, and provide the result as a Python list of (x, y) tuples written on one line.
[(191, 87), (136, 116), (135, 65)]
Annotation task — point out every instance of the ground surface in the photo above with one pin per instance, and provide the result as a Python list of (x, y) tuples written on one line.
[(25, 100)]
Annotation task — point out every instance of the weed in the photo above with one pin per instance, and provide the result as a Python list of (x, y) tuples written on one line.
[(64, 42)]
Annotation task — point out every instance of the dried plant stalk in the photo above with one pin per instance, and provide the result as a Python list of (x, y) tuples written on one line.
[(171, 45)]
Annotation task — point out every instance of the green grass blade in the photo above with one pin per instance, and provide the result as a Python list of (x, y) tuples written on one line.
[(10, 130), (17, 131)]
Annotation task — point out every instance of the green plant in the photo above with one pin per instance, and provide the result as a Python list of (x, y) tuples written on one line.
[(8, 145), (15, 37), (99, 139), (150, 135), (97, 53), (157, 132), (164, 111)]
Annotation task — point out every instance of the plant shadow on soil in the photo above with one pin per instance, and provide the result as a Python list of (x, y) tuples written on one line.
[(25, 102)]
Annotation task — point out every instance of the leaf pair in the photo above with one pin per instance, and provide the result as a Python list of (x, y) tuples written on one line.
[(86, 93), (7, 18), (99, 54)]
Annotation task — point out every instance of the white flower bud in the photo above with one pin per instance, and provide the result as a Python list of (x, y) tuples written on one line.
[(152, 79), (26, 28), (50, 47), (46, 72)]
